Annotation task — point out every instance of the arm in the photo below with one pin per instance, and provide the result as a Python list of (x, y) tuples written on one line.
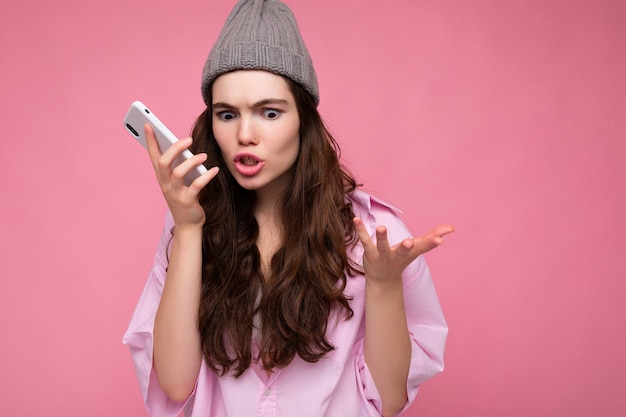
[(177, 352), (387, 345)]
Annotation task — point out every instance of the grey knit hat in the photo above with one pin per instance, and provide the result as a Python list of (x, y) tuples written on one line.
[(261, 34)]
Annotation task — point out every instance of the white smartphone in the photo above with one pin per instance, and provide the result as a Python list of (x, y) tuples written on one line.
[(137, 116)]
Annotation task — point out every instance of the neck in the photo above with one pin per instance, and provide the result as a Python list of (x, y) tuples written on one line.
[(266, 205), (268, 198), (269, 238)]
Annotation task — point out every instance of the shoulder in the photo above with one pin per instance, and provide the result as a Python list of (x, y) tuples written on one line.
[(364, 202), (376, 212)]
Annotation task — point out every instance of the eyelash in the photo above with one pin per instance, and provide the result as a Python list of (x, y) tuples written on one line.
[(277, 112), (224, 114)]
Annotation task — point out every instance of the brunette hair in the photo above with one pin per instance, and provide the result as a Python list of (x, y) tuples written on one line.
[(291, 309)]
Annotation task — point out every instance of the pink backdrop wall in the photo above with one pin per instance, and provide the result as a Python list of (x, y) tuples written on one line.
[(505, 118)]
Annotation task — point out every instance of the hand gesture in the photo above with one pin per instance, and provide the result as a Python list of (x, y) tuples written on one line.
[(383, 262), (182, 200)]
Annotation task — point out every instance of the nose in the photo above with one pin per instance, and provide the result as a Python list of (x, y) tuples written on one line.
[(245, 134)]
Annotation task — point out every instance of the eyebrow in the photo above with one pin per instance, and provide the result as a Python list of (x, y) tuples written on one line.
[(260, 103)]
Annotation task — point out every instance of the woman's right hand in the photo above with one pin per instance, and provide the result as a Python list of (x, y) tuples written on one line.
[(181, 200), (177, 353)]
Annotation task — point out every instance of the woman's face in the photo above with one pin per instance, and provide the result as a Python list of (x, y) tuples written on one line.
[(257, 127)]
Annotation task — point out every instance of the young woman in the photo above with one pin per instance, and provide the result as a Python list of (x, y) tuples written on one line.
[(279, 288)]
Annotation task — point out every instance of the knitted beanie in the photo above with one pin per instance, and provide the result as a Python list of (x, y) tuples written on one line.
[(263, 35)]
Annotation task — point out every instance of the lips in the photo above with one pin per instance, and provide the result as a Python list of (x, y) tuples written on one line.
[(248, 164)]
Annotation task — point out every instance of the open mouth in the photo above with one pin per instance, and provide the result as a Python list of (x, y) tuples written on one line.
[(248, 161), (248, 164)]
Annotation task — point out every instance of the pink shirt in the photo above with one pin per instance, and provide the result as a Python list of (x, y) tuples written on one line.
[(339, 385)]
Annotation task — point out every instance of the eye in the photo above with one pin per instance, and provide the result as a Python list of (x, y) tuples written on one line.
[(226, 115), (271, 113)]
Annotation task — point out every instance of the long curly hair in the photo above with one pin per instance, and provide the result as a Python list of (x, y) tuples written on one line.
[(308, 271)]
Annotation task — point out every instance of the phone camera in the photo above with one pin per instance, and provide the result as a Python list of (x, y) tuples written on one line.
[(132, 130)]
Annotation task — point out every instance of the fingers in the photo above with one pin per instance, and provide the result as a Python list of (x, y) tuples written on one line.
[(361, 232), (153, 148), (433, 238), (167, 175), (381, 261), (381, 236), (160, 159), (381, 250), (163, 158), (408, 248), (382, 243), (200, 182), (442, 230), (184, 168)]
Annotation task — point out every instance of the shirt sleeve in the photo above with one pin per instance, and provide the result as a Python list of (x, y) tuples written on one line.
[(139, 335), (425, 320)]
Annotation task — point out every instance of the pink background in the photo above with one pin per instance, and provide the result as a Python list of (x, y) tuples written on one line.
[(505, 118)]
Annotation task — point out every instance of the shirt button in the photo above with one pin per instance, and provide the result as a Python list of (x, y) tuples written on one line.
[(267, 392)]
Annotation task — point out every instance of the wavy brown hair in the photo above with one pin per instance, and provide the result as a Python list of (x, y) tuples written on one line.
[(308, 271)]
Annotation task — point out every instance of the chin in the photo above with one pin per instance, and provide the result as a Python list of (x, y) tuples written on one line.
[(248, 184)]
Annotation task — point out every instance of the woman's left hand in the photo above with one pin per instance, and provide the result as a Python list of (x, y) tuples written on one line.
[(383, 262)]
